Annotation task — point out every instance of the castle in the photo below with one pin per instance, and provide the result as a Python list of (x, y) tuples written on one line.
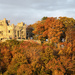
[(8, 31)]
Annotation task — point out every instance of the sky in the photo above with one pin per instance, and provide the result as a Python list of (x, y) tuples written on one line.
[(30, 11)]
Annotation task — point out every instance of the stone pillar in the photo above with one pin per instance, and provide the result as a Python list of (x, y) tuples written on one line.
[(21, 36), (5, 28), (25, 31), (13, 30), (16, 34)]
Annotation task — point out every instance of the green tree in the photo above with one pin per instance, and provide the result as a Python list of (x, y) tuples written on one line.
[(44, 18)]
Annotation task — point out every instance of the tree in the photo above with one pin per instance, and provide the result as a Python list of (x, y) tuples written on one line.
[(29, 30), (51, 29), (44, 18), (67, 22)]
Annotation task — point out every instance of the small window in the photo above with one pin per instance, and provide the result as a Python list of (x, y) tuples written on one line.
[(27, 33), (1, 38), (22, 32), (1, 32), (8, 31)]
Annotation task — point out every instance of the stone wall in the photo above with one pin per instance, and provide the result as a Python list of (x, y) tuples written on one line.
[(8, 31)]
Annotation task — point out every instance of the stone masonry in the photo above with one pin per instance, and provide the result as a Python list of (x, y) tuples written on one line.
[(8, 31)]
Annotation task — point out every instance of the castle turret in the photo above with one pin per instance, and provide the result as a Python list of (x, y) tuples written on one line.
[(5, 28), (21, 23), (4, 20)]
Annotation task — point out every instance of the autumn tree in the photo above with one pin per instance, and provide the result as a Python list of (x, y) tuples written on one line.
[(69, 25), (51, 29), (31, 58), (35, 29), (5, 58), (29, 30), (67, 22), (69, 31), (55, 30)]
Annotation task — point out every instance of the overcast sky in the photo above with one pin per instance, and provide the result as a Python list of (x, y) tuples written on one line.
[(30, 11)]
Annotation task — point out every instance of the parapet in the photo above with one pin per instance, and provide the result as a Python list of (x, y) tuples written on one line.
[(4, 19), (20, 24)]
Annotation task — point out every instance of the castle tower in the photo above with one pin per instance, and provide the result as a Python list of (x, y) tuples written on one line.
[(5, 28)]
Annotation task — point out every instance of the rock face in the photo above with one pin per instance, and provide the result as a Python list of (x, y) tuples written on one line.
[(8, 31)]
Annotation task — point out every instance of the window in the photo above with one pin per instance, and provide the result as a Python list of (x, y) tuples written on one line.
[(27, 33), (8, 31), (1, 32), (18, 33), (22, 32)]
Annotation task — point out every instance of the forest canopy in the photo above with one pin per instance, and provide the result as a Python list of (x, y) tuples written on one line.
[(54, 57)]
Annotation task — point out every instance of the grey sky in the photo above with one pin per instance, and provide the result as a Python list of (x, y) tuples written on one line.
[(30, 11)]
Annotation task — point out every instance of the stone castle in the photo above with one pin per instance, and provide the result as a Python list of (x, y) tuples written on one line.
[(8, 31)]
